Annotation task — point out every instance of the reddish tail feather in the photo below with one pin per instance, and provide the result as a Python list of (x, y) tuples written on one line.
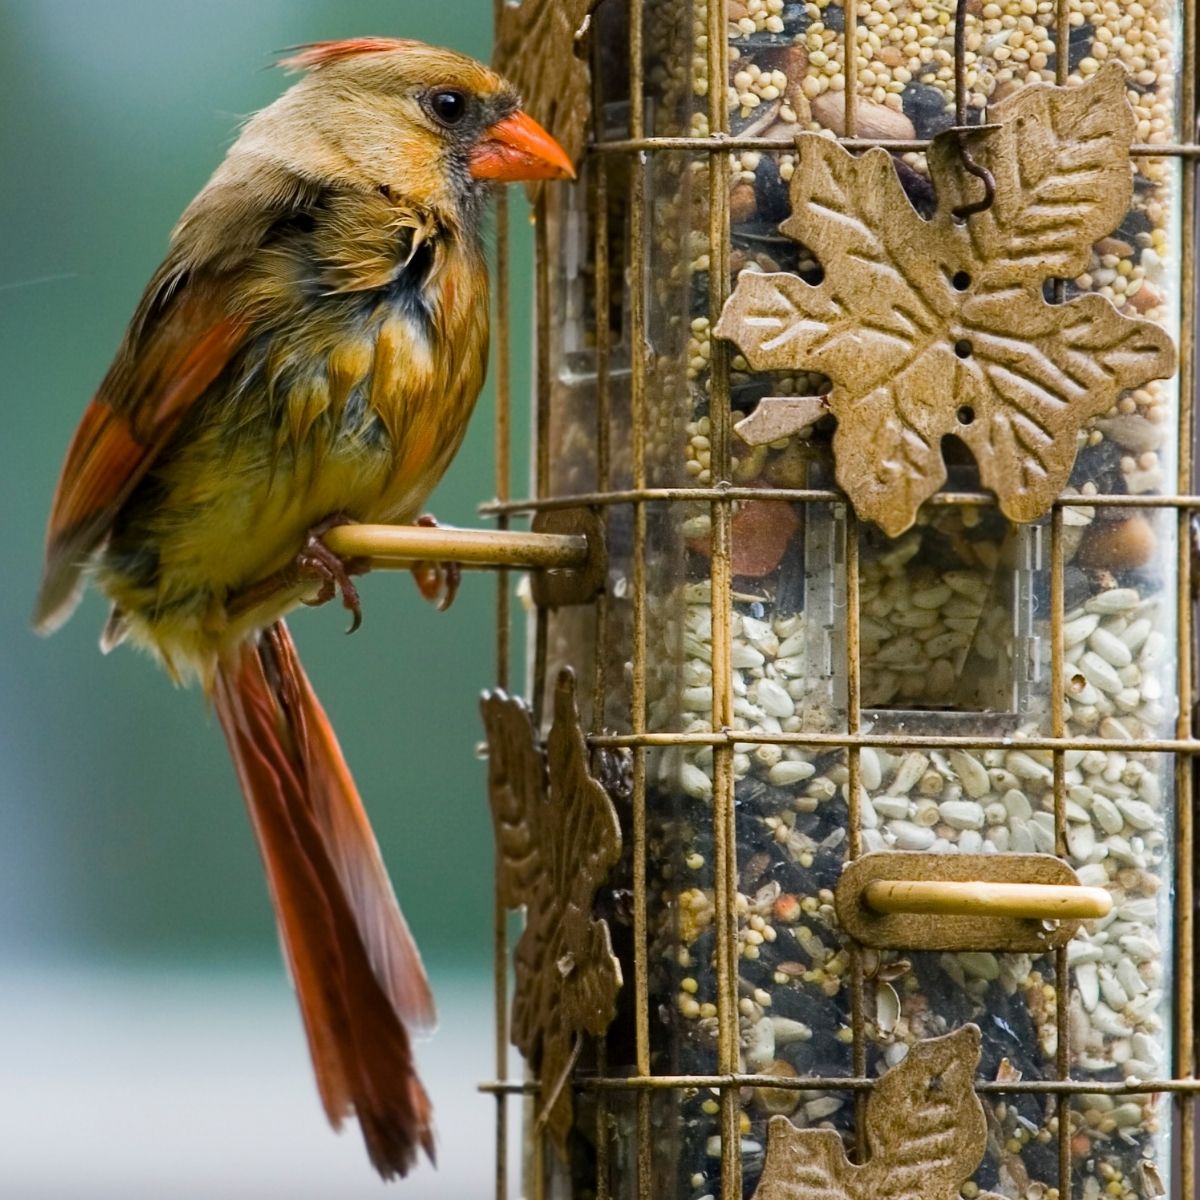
[(355, 967)]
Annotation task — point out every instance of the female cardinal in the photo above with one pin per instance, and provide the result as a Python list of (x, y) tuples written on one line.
[(308, 353)]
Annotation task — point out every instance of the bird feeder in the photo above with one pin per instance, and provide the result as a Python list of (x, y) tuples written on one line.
[(850, 806)]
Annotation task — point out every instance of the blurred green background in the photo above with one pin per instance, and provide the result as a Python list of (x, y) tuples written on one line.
[(124, 848)]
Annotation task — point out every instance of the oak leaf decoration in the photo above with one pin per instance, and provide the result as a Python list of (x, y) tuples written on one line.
[(925, 1127), (557, 837), (935, 327)]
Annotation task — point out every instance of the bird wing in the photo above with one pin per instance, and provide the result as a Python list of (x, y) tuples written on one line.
[(180, 339), (178, 344)]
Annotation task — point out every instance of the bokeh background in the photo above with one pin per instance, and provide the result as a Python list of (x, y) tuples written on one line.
[(149, 1045)]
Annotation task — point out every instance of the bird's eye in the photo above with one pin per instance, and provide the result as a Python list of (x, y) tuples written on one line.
[(448, 107)]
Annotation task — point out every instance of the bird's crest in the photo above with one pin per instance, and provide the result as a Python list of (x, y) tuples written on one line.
[(314, 55)]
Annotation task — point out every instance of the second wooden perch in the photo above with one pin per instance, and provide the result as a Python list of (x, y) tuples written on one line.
[(400, 546), (564, 551)]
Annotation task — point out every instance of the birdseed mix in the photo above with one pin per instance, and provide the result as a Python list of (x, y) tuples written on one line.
[(954, 617)]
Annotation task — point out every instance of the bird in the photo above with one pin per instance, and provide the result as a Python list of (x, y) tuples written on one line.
[(308, 354)]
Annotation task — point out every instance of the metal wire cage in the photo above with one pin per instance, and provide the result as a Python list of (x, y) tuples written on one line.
[(760, 676)]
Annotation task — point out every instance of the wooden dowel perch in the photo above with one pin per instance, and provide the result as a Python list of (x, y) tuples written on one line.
[(1034, 901), (399, 546)]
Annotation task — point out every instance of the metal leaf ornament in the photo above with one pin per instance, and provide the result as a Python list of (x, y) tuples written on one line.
[(926, 1134), (558, 837), (940, 326)]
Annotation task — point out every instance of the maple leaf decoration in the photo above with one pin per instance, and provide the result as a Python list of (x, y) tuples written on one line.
[(558, 837), (540, 50), (932, 327), (926, 1134)]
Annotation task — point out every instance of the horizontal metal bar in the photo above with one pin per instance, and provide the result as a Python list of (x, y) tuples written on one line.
[(980, 898), (509, 1087), (846, 1083), (402, 545), (725, 737), (718, 143), (808, 496)]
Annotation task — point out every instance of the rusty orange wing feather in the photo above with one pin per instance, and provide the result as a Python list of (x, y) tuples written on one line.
[(172, 353)]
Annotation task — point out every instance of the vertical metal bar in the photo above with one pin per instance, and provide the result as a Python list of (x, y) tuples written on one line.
[(1062, 980), (541, 464), (603, 1181), (538, 1166), (542, 347), (1185, 768), (1062, 976), (637, 404), (1062, 42), (858, 1042), (1190, 31), (541, 460), (1185, 931), (721, 557), (601, 303), (853, 686), (503, 429), (960, 63), (858, 1027), (1057, 723), (850, 65), (503, 440), (1062, 65)]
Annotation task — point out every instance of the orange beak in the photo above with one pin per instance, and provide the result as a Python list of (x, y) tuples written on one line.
[(518, 148)]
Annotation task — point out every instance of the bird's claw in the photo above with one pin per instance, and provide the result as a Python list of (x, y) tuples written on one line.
[(317, 561), (438, 582)]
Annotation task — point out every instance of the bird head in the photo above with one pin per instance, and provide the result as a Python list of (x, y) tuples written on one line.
[(433, 127)]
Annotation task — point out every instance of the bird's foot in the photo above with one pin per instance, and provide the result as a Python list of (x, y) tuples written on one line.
[(436, 581), (315, 561)]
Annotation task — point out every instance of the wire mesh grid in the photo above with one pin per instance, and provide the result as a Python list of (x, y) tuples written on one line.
[(636, 151)]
